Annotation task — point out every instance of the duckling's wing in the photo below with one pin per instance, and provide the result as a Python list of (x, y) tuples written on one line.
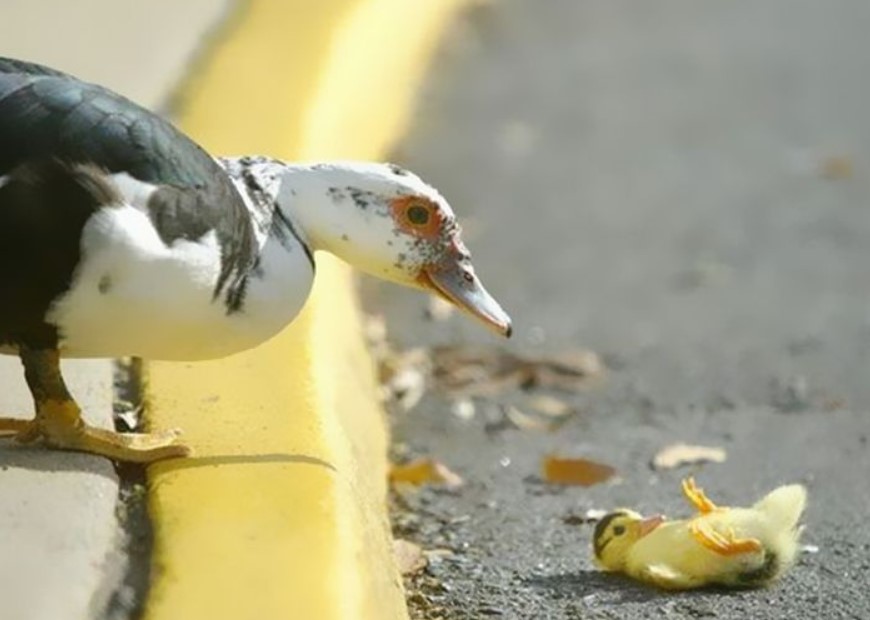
[(784, 506), (666, 577)]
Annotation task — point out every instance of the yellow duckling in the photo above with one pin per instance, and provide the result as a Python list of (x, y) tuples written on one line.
[(737, 547)]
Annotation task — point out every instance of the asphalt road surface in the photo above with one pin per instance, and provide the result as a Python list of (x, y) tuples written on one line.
[(681, 187)]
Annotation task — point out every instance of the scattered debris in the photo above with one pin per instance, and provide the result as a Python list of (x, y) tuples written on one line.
[(525, 421), (409, 556), (835, 403), (575, 471), (403, 376), (439, 309), (814, 163), (550, 406), (811, 549), (463, 409), (790, 395), (678, 454), (593, 515), (432, 554), (375, 331), (474, 371), (466, 372), (540, 413), (704, 273), (425, 471), (407, 388), (837, 168), (129, 416)]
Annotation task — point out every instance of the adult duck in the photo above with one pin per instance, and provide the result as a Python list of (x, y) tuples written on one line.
[(120, 236)]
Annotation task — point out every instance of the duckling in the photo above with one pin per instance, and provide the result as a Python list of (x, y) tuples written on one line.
[(734, 547)]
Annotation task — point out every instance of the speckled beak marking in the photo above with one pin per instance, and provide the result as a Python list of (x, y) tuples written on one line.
[(649, 524), (453, 279)]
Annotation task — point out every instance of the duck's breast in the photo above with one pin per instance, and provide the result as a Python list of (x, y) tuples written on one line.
[(132, 294)]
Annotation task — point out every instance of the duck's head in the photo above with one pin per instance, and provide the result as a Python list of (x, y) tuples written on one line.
[(615, 534), (387, 222)]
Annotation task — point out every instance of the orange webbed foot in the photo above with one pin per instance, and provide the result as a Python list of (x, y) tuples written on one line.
[(726, 544), (697, 498)]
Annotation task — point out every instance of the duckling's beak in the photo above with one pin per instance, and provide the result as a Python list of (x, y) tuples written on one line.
[(452, 278), (649, 524)]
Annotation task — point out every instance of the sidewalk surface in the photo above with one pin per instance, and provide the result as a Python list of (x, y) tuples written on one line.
[(58, 531), (682, 187)]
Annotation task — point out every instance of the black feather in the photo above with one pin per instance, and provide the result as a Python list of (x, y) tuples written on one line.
[(43, 208), (46, 114)]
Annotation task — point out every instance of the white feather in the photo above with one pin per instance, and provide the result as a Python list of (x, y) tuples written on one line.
[(133, 295)]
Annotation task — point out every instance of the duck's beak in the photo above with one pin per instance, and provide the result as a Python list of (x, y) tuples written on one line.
[(649, 524), (453, 279)]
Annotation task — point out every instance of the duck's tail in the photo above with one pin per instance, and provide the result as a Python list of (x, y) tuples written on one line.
[(784, 506)]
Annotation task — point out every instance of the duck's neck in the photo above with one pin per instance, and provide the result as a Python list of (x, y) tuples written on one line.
[(332, 210), (310, 198), (324, 203)]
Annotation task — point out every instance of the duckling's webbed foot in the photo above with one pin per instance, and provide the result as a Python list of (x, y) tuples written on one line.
[(697, 497), (724, 544)]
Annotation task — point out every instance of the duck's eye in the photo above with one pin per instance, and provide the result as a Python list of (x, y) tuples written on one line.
[(618, 530), (418, 215)]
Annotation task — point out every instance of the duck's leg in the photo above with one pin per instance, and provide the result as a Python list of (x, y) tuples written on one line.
[(59, 424), (697, 497), (723, 544)]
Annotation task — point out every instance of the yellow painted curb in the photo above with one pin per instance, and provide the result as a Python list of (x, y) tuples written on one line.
[(282, 514)]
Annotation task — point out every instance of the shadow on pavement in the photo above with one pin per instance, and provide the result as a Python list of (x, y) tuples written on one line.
[(581, 583)]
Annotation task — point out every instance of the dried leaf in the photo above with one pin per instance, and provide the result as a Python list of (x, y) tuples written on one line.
[(407, 388), (424, 471), (486, 372), (549, 406), (404, 376), (679, 454), (584, 364), (409, 557), (576, 471), (438, 553), (835, 404), (414, 359), (837, 167), (524, 421)]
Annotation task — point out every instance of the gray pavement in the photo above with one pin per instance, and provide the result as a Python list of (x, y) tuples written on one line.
[(60, 544), (57, 512), (683, 188)]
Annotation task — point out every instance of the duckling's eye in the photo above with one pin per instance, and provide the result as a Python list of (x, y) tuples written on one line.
[(418, 215), (618, 530)]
